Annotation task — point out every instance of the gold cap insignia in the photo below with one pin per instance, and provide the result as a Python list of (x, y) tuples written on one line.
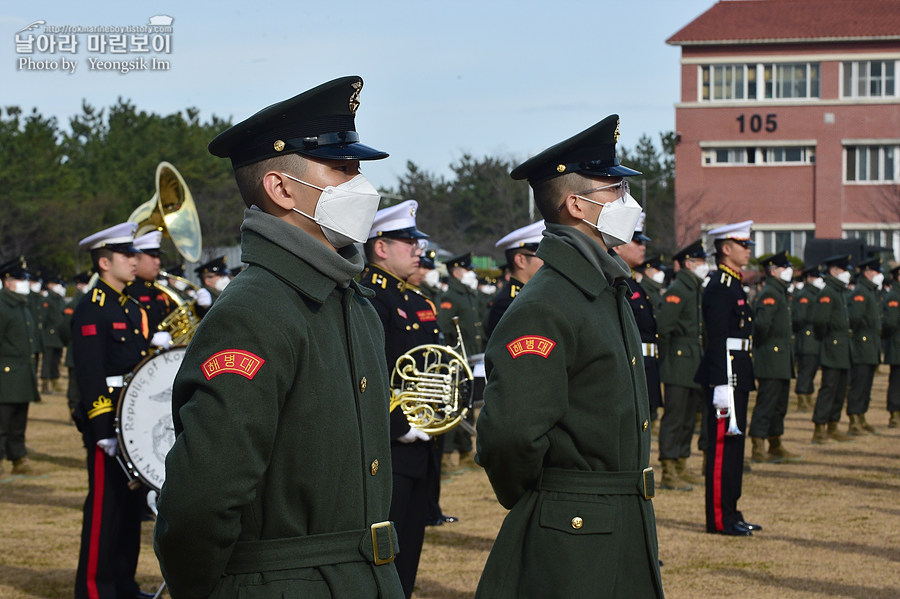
[(354, 97), (278, 145), (616, 134), (412, 211), (560, 168)]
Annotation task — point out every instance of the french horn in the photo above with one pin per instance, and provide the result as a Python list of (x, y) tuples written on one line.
[(433, 386)]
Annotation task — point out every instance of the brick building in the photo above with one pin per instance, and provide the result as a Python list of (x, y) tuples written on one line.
[(790, 116)]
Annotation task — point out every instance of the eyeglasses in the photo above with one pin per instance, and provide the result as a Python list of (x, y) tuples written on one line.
[(744, 243), (623, 185), (421, 244)]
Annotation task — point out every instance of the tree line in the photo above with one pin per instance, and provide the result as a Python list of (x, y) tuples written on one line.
[(59, 184)]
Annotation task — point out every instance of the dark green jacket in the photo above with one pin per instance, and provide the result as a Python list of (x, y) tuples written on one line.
[(17, 333), (566, 400), (864, 312), (891, 326), (50, 319), (464, 302), (654, 290), (281, 418), (805, 341), (679, 322), (772, 350), (832, 324)]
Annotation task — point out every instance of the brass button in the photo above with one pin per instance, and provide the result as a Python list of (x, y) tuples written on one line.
[(776, 349), (577, 522), (137, 332), (808, 333), (374, 467), (415, 326), (362, 385), (834, 342), (6, 369), (408, 327), (633, 360), (143, 352), (645, 425), (678, 353), (864, 338)]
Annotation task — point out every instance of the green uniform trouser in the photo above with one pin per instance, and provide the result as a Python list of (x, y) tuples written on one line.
[(771, 407), (860, 392), (677, 424), (830, 399), (893, 392), (13, 420), (807, 364)]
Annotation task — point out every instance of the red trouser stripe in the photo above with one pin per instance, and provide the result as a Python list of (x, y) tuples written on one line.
[(721, 423), (96, 521)]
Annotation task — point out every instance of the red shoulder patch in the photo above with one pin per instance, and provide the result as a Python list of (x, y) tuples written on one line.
[(741, 302), (88, 330), (769, 301), (803, 300), (673, 299), (893, 304), (824, 300), (446, 305), (858, 298), (120, 326), (635, 295), (68, 311), (426, 316), (144, 298), (237, 361), (530, 344)]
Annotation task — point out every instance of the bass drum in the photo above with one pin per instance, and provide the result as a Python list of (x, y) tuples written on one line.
[(144, 417)]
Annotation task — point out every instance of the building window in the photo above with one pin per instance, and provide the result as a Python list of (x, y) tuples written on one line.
[(728, 82), (787, 155), (871, 163), (869, 79), (791, 80), (872, 237), (771, 242)]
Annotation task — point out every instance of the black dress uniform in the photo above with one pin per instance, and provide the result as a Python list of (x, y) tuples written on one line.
[(501, 303), (154, 302), (642, 307), (108, 340), (728, 322)]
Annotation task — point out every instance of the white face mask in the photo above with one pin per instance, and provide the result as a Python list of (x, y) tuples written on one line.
[(433, 278), (701, 270), (844, 277), (798, 285), (222, 283), (35, 287), (617, 220), (488, 289), (878, 279), (22, 287), (344, 213), (469, 279), (818, 283), (787, 274), (659, 277), (59, 290)]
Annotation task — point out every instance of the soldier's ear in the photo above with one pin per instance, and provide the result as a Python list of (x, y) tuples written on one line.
[(278, 190)]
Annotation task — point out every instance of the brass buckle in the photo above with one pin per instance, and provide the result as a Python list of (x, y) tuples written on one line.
[(375, 528), (649, 488)]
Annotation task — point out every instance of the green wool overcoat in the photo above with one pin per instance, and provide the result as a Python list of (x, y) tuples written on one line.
[(803, 304), (679, 322), (281, 463), (891, 326), (832, 324), (772, 348), (564, 435), (18, 332), (864, 313)]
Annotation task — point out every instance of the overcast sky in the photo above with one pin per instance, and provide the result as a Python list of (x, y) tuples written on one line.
[(504, 78)]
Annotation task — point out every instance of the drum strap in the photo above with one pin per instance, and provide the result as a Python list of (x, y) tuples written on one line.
[(376, 545)]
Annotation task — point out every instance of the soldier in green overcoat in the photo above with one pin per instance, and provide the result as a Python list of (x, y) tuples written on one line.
[(864, 313), (279, 481), (653, 278), (50, 319), (18, 384), (680, 325), (773, 361), (564, 435), (806, 344), (891, 329), (831, 323)]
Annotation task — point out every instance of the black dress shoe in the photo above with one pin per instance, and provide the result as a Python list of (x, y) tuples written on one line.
[(144, 595), (736, 531), (749, 526), (450, 519), (434, 521)]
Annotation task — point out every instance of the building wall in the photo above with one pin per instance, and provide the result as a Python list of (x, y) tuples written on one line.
[(810, 197)]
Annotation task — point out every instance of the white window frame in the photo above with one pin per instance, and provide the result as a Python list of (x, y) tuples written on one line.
[(855, 66), (744, 70), (776, 67), (869, 151)]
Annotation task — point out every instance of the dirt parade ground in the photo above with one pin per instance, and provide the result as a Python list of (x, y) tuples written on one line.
[(831, 522)]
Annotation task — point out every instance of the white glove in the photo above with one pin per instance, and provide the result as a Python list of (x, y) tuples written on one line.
[(413, 435), (161, 339), (204, 299), (720, 397), (109, 446)]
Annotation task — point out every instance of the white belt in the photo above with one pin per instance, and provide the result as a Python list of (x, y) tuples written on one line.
[(650, 349), (737, 344), (115, 381)]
